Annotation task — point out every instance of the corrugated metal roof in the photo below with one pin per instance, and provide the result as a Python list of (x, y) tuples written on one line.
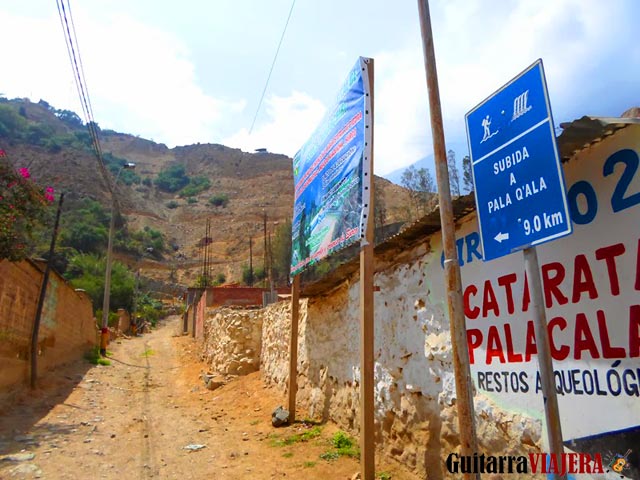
[(587, 131), (576, 136)]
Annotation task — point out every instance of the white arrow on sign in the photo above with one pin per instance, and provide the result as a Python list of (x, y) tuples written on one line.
[(501, 236)]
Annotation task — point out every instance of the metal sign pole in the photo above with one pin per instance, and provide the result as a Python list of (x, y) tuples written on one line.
[(462, 370), (545, 363)]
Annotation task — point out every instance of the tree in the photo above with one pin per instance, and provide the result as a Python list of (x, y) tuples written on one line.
[(281, 250), (467, 174), (70, 118), (380, 209), (12, 125), (421, 185), (86, 271), (454, 175), (85, 226), (22, 208)]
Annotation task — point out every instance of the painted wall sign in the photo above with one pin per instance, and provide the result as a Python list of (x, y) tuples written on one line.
[(331, 177), (518, 184), (591, 284)]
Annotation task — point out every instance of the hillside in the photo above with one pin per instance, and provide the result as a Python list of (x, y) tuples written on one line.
[(54, 144)]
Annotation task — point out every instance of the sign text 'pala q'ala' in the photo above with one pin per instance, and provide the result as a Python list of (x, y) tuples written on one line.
[(518, 181)]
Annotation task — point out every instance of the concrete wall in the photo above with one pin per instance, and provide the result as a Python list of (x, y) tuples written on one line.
[(67, 328), (124, 321), (232, 341)]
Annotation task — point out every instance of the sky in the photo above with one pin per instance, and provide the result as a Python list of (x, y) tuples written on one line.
[(194, 71)]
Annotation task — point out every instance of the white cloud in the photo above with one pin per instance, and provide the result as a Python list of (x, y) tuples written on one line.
[(478, 51), (402, 131), (141, 80), (291, 121)]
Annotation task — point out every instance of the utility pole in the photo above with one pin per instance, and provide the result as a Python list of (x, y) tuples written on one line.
[(104, 332), (133, 323), (251, 261), (453, 281), (271, 286), (206, 255), (264, 218)]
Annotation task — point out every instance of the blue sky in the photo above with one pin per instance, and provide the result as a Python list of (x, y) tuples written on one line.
[(193, 71)]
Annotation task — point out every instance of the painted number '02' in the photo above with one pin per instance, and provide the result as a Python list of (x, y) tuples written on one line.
[(619, 199)]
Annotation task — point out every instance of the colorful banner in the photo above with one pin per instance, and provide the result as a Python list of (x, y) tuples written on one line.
[(331, 177)]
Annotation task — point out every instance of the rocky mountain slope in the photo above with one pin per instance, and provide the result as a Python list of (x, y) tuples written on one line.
[(254, 184)]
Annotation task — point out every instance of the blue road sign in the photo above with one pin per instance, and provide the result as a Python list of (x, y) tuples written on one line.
[(518, 180)]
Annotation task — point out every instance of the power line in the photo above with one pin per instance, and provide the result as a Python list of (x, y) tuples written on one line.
[(73, 50), (272, 65)]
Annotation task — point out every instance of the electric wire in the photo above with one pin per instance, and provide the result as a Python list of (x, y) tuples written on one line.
[(81, 85), (73, 28), (264, 91)]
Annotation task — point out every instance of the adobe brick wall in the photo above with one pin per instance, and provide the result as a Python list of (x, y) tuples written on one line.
[(67, 327)]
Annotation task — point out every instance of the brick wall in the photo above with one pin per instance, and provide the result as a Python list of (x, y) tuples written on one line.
[(238, 296), (67, 327)]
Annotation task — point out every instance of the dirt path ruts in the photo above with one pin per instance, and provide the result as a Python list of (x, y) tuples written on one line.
[(132, 420)]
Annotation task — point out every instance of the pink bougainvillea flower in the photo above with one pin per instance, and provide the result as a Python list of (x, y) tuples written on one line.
[(49, 197), (25, 173), (50, 190)]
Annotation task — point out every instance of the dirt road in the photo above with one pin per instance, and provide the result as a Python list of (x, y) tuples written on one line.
[(134, 418)]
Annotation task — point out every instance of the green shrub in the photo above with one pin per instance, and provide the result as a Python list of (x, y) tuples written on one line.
[(149, 309), (219, 200), (141, 242), (172, 179), (196, 185), (11, 123), (172, 204), (93, 356), (258, 274), (192, 200), (343, 445)]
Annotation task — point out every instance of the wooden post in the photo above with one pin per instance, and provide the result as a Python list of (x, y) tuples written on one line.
[(545, 363), (293, 347), (42, 296), (367, 447), (462, 370)]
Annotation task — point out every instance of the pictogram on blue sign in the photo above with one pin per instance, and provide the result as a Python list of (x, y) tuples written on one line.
[(518, 180)]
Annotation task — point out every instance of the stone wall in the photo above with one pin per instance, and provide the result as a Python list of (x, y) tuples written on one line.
[(415, 413), (67, 327), (232, 341), (276, 328)]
